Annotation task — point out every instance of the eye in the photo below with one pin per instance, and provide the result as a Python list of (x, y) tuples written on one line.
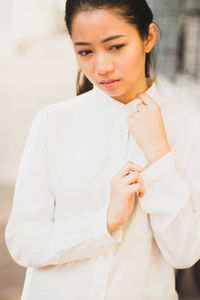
[(84, 52), (117, 47)]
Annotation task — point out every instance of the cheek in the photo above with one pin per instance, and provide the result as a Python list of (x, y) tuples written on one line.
[(134, 60), (80, 62), (85, 66), (136, 55)]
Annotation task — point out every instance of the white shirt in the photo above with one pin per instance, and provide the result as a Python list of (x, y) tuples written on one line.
[(57, 227)]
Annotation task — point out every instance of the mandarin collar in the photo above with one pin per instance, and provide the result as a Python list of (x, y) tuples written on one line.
[(104, 98)]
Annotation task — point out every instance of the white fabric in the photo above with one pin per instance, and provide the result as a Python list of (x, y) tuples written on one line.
[(57, 228)]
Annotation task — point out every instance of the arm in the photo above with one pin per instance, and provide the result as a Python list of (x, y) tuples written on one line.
[(33, 238), (173, 203)]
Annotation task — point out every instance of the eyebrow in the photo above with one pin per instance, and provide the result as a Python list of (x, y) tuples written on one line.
[(110, 38)]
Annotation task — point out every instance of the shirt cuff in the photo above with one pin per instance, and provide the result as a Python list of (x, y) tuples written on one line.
[(159, 169), (116, 236), (166, 191)]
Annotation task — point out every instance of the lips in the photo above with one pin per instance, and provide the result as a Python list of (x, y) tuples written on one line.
[(108, 81), (112, 83)]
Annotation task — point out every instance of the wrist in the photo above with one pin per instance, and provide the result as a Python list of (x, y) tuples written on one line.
[(163, 150), (111, 226)]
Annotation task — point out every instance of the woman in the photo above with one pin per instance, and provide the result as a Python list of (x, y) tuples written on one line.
[(107, 196)]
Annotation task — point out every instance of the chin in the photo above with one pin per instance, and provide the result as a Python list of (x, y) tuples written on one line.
[(113, 92)]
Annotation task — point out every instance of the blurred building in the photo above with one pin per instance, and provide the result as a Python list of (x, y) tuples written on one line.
[(179, 50), (189, 39)]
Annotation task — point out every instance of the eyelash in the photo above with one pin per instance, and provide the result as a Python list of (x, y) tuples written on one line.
[(118, 46), (87, 52), (84, 51)]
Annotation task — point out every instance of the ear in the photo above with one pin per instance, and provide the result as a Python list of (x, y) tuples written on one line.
[(151, 39)]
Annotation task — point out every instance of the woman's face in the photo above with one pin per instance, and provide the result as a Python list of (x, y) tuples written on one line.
[(111, 53)]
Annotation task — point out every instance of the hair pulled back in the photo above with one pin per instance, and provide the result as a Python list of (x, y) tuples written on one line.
[(136, 12)]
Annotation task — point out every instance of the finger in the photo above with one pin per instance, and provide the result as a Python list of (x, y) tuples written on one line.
[(141, 107), (134, 177), (135, 112), (132, 116), (140, 180), (131, 178), (129, 166), (142, 192), (146, 99), (133, 188), (136, 188)]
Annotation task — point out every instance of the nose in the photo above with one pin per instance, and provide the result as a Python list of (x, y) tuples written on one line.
[(103, 64)]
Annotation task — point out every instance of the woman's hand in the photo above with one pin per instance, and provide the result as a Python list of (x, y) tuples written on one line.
[(147, 126), (124, 185)]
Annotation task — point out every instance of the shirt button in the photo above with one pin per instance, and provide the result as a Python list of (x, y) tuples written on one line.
[(121, 133)]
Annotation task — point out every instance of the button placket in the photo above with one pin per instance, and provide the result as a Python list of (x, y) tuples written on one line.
[(122, 139), (118, 144), (121, 133)]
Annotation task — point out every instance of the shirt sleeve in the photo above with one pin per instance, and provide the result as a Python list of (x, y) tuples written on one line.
[(173, 203), (33, 238)]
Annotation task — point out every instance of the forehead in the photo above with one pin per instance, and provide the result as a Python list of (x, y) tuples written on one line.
[(99, 23)]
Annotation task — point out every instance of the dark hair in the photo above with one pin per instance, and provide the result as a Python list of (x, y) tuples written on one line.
[(136, 12)]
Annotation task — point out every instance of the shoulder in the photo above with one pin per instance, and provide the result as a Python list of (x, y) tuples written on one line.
[(180, 116), (63, 110), (70, 105)]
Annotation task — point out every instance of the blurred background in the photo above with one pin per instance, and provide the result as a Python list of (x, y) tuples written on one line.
[(37, 63)]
